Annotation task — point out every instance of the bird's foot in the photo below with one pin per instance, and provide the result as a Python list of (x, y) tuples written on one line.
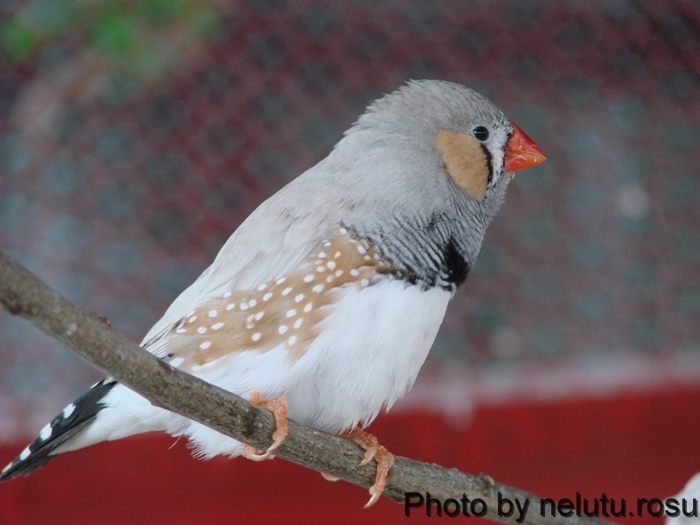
[(278, 407), (373, 450)]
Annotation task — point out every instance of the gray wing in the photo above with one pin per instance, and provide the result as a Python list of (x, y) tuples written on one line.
[(274, 239)]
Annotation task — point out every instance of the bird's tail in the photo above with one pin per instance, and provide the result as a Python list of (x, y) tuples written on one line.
[(73, 419)]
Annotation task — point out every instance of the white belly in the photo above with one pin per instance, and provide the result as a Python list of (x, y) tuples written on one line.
[(367, 355)]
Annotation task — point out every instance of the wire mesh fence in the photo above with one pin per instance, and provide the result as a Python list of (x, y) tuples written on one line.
[(136, 136)]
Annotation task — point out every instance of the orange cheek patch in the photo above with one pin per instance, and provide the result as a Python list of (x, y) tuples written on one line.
[(464, 161), (284, 311)]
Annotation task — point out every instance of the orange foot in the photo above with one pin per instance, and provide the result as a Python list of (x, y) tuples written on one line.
[(373, 450), (278, 407)]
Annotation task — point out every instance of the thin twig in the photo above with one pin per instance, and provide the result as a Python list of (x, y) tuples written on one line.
[(90, 336)]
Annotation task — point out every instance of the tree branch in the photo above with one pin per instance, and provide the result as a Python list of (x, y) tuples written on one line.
[(90, 336)]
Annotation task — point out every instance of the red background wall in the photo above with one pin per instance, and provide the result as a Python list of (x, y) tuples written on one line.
[(628, 446)]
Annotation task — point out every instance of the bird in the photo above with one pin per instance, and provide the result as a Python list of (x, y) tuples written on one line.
[(324, 303)]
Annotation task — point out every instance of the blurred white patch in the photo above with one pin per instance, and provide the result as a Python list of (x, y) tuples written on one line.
[(686, 505), (633, 201), (455, 391), (506, 342)]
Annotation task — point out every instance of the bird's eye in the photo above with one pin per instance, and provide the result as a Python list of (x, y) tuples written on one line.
[(481, 133)]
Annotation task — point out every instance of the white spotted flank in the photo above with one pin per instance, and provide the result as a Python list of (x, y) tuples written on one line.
[(253, 319)]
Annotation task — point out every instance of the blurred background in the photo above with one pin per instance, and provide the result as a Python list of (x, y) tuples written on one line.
[(135, 136)]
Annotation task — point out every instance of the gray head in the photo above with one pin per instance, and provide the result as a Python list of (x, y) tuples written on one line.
[(431, 140), (420, 110), (424, 169)]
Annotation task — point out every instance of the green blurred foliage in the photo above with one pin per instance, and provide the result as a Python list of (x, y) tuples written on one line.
[(18, 40), (136, 34), (114, 34)]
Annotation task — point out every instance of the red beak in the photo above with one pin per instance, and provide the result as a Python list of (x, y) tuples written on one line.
[(521, 152)]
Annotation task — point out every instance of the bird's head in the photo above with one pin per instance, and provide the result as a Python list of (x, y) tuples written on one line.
[(440, 127)]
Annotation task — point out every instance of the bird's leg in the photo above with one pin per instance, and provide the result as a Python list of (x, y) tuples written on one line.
[(373, 450), (278, 407)]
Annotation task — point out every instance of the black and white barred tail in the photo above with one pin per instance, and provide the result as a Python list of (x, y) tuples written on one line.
[(74, 418)]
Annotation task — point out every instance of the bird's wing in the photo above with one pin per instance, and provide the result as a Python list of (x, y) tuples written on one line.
[(274, 239), (287, 310)]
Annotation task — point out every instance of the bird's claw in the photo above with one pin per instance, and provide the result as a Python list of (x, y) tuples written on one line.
[(278, 407), (373, 450)]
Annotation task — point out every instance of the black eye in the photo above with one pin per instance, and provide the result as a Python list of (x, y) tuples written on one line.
[(481, 133)]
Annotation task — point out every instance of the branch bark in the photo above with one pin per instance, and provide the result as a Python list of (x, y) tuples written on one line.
[(91, 337)]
